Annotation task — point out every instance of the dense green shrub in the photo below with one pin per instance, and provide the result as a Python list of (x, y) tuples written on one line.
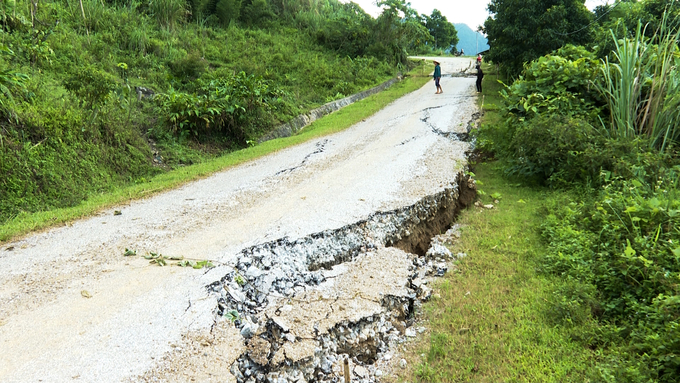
[(559, 149), (548, 116), (90, 85), (227, 10), (257, 13), (621, 252), (237, 108), (188, 68), (560, 82)]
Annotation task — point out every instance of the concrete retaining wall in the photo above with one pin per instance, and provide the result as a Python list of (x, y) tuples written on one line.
[(299, 122)]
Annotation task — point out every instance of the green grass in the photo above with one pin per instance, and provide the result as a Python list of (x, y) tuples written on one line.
[(489, 321), (490, 101), (489, 317), (335, 122)]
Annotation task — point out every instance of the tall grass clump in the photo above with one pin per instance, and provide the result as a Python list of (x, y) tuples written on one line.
[(168, 13), (642, 86)]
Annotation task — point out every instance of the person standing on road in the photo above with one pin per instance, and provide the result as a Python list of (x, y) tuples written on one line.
[(480, 76), (437, 76)]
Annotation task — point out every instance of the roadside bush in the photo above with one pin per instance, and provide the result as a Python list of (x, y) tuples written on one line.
[(559, 150), (257, 13), (626, 244), (560, 82), (548, 115), (90, 85), (237, 108), (227, 10), (189, 68)]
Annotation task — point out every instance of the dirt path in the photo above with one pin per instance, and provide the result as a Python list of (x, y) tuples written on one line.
[(73, 308)]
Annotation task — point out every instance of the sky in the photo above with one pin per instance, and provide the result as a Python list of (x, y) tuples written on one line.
[(471, 12)]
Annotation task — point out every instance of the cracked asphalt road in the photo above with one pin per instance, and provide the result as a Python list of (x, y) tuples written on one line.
[(51, 331)]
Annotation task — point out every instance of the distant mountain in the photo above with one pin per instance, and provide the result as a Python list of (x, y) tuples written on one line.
[(470, 41)]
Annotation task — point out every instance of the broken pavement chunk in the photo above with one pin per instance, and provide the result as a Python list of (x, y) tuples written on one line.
[(258, 351)]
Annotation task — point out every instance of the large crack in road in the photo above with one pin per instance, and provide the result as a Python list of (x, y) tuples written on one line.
[(322, 252), (300, 314)]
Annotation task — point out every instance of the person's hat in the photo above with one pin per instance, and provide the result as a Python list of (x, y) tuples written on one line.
[(435, 61)]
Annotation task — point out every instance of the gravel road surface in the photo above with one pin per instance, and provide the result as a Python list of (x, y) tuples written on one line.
[(74, 309)]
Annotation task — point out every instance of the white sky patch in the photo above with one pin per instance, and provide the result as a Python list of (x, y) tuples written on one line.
[(471, 12)]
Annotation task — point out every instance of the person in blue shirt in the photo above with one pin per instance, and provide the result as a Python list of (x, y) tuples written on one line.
[(437, 76)]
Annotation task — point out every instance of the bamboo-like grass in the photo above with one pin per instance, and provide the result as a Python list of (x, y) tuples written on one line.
[(642, 86)]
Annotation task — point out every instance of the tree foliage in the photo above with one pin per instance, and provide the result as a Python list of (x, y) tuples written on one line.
[(443, 32), (522, 30), (397, 30)]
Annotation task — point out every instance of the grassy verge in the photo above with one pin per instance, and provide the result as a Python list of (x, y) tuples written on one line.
[(335, 122), (489, 319)]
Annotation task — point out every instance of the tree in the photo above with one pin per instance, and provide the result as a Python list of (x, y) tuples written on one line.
[(397, 30), (348, 30), (444, 33), (522, 30)]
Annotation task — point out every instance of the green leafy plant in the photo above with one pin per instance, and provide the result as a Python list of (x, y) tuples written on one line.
[(240, 280), (92, 86), (157, 258), (642, 86), (232, 315), (195, 264), (235, 107), (618, 254)]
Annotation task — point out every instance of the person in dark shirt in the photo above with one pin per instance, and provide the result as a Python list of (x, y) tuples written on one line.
[(480, 76), (437, 76)]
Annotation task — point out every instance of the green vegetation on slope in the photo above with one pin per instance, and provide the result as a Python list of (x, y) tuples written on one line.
[(605, 131), (77, 84), (26, 222)]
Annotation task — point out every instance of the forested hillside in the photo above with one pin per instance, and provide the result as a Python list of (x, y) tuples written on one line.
[(102, 93)]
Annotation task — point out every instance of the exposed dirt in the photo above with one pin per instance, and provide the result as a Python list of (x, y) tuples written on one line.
[(74, 308), (418, 242)]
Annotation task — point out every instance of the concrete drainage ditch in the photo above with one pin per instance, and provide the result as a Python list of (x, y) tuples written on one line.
[(304, 305)]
